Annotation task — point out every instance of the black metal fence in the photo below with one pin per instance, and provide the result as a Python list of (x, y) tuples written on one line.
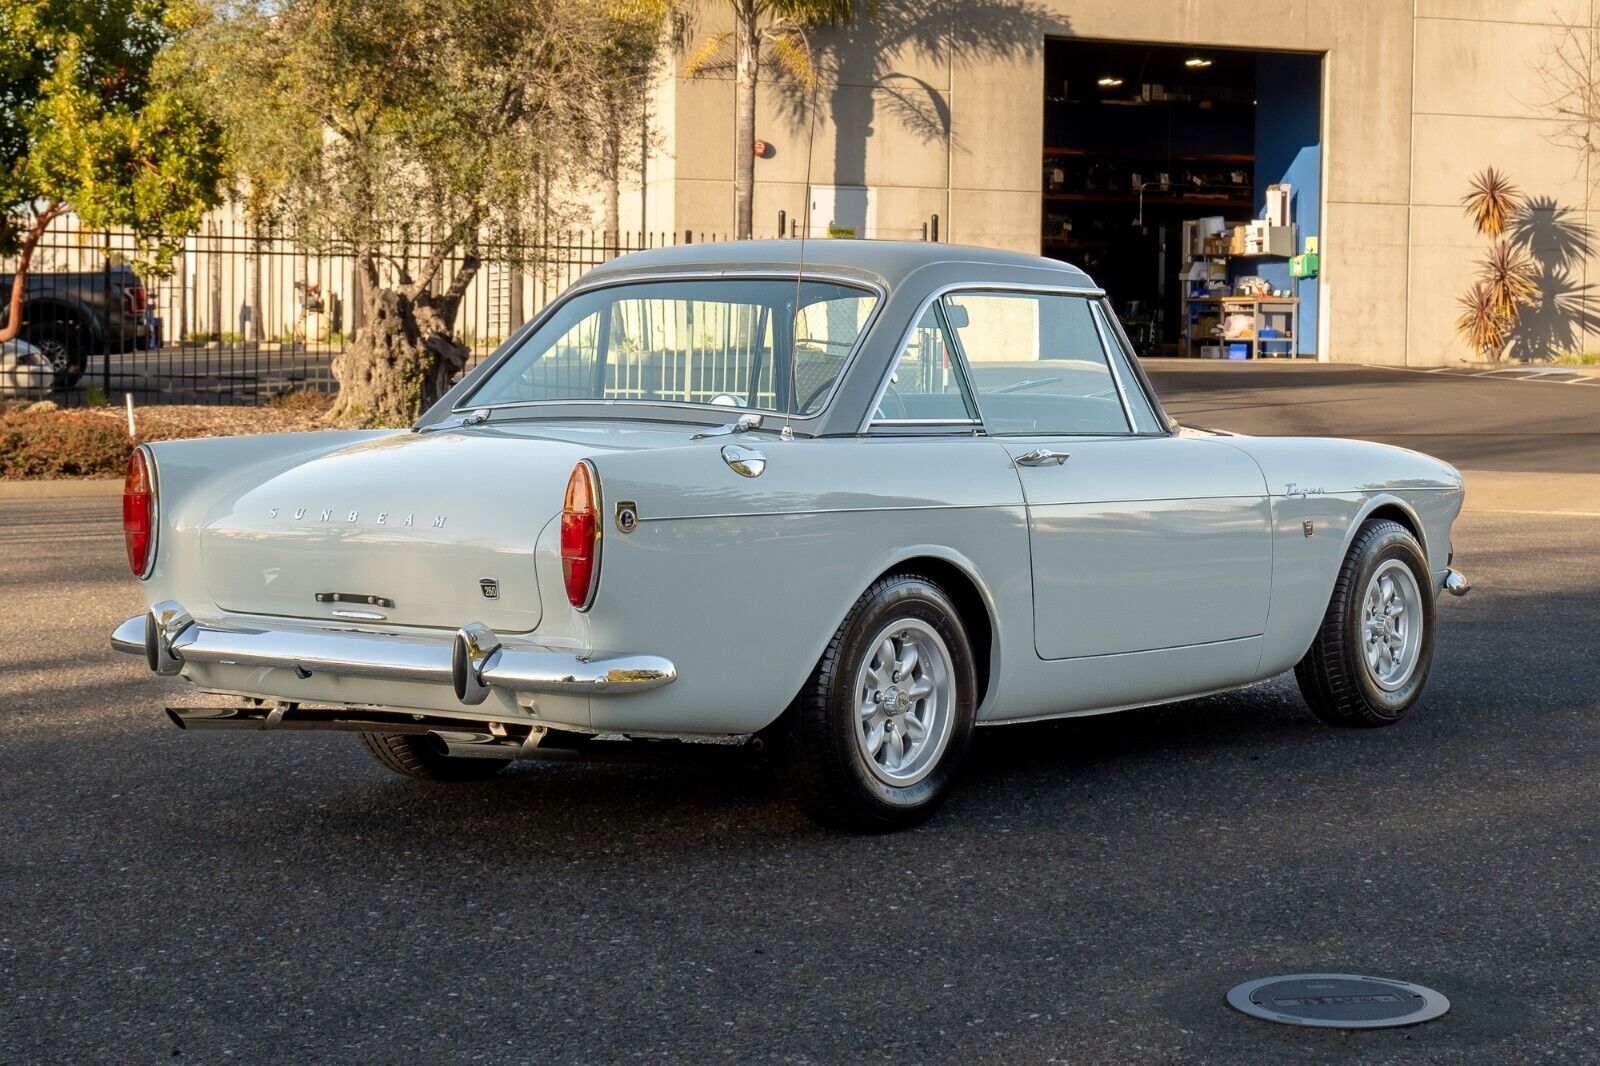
[(245, 316)]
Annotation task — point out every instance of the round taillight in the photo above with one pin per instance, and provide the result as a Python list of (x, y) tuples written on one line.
[(580, 536), (139, 512)]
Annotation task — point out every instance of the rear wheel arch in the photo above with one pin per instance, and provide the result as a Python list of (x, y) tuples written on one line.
[(955, 575), (972, 602)]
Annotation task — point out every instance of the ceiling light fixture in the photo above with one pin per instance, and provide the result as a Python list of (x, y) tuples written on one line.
[(1196, 63), (1109, 82)]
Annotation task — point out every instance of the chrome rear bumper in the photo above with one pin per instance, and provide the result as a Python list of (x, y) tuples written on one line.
[(473, 663)]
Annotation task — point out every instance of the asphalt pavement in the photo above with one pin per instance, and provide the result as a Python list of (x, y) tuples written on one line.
[(1478, 422), (1088, 895)]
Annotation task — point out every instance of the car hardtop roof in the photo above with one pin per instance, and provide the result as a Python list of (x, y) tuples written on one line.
[(888, 261)]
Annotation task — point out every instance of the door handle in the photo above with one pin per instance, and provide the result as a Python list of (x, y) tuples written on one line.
[(1041, 457)]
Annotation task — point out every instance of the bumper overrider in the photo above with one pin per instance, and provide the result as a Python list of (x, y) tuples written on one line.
[(474, 663)]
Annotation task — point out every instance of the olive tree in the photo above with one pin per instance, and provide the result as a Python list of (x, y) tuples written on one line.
[(97, 119), (416, 136)]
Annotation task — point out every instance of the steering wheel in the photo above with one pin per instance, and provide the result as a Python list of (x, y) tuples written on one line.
[(891, 394), (811, 397)]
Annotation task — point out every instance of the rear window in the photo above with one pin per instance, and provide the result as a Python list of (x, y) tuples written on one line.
[(722, 341)]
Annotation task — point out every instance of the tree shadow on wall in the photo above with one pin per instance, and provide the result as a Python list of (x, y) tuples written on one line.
[(1562, 312), (864, 78)]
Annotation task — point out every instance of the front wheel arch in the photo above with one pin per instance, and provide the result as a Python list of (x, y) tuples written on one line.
[(1394, 509)]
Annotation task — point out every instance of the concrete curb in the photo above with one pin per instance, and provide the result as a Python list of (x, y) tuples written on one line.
[(60, 488)]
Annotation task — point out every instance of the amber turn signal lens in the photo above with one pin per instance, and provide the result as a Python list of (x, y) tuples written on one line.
[(580, 537)]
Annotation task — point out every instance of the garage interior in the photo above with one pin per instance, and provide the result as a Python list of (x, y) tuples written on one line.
[(1187, 181)]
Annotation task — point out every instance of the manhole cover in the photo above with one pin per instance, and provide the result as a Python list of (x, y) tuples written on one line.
[(1337, 1001)]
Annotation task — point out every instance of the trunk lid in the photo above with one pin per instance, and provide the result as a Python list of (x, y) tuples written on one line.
[(404, 530)]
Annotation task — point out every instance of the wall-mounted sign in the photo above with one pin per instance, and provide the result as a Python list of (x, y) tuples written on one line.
[(841, 231)]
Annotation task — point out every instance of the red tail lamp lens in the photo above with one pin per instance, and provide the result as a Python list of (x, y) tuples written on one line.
[(580, 537), (139, 513)]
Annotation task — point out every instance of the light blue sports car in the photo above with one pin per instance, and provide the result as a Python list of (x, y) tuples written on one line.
[(852, 505)]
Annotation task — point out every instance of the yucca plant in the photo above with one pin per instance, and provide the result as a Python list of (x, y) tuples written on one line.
[(1510, 278), (1492, 203), (1480, 322)]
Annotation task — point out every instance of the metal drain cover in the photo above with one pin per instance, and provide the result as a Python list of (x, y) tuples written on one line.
[(1337, 1001)]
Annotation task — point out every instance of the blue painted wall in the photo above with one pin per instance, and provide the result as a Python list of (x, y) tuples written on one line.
[(1289, 149)]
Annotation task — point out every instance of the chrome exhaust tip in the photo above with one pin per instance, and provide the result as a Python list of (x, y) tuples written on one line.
[(1456, 583), (465, 745)]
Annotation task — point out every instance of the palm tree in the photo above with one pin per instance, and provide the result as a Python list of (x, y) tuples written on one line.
[(776, 27)]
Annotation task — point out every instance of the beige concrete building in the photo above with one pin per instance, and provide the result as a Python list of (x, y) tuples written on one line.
[(982, 114)]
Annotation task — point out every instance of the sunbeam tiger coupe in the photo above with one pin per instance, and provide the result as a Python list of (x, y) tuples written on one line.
[(855, 498)]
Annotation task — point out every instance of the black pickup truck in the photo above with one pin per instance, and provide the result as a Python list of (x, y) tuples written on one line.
[(71, 317)]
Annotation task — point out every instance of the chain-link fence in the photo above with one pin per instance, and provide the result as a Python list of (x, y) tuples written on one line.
[(247, 315)]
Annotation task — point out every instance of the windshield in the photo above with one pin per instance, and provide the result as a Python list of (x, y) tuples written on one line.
[(724, 341)]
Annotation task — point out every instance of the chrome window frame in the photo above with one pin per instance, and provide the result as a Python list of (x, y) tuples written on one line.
[(938, 294), (1097, 315), (1119, 342), (969, 392), (877, 289), (1127, 416), (1092, 293)]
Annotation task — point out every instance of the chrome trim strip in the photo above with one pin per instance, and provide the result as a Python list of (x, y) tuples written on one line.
[(1096, 313), (938, 294), (1131, 359), (928, 422), (360, 616), (394, 658), (580, 288)]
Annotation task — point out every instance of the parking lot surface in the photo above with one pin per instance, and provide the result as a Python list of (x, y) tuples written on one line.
[(1479, 423), (1089, 894)]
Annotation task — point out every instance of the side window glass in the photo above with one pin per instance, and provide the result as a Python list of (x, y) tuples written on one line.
[(926, 384), (1036, 363), (1144, 416)]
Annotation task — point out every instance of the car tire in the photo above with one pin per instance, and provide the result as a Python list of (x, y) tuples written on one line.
[(1372, 653), (410, 754), (62, 345), (874, 749)]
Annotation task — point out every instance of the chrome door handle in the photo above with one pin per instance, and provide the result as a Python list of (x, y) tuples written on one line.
[(1041, 457)]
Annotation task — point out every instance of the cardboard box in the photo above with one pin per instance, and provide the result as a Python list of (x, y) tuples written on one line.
[(1263, 238), (1278, 200)]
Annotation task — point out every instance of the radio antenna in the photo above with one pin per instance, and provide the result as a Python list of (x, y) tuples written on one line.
[(791, 408)]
